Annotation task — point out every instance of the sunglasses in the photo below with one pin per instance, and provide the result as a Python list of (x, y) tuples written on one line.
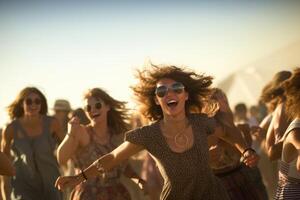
[(36, 101), (97, 105), (162, 90)]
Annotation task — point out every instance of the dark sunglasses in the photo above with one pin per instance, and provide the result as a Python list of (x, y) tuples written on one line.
[(162, 90), (97, 105), (36, 101)]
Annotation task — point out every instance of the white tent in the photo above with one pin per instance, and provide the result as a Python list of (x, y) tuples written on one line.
[(245, 84)]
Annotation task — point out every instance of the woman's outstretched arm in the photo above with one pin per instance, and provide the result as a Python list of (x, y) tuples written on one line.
[(227, 131), (100, 166), (233, 136)]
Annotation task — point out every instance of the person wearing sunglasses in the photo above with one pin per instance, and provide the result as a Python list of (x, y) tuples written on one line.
[(177, 138), (29, 141), (85, 143)]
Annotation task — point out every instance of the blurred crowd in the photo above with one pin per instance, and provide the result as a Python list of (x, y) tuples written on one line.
[(37, 148)]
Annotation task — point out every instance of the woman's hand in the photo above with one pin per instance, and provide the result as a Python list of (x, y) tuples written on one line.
[(64, 182), (250, 158), (74, 124)]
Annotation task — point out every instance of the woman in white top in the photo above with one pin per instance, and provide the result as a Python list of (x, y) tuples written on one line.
[(289, 172)]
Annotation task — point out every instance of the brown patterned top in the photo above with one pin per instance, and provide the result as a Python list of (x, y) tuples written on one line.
[(100, 188), (187, 175)]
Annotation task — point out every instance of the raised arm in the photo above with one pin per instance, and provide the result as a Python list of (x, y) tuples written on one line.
[(70, 144), (233, 136), (227, 131), (105, 163), (274, 149)]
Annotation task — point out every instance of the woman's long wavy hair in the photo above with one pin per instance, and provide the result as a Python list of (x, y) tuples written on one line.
[(212, 107), (292, 93), (117, 117), (15, 109), (196, 85), (274, 90)]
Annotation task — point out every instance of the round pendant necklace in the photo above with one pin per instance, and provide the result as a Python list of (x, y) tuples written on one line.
[(181, 140)]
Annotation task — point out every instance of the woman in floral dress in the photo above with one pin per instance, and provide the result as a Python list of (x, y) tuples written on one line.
[(85, 143)]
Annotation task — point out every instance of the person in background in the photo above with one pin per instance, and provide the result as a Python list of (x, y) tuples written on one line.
[(253, 119), (279, 123), (29, 141), (241, 114), (177, 139), (289, 172), (268, 133), (61, 109), (240, 181), (85, 143)]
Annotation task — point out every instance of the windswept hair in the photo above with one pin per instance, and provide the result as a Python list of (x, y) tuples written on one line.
[(274, 89), (117, 117), (15, 109), (212, 108), (211, 105), (196, 85), (292, 93)]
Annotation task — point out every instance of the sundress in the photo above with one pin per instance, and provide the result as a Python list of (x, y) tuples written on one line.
[(99, 188)]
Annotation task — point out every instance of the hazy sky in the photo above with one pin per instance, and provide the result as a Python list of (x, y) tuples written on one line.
[(66, 48)]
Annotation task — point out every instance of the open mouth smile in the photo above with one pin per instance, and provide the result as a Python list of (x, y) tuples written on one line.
[(172, 103)]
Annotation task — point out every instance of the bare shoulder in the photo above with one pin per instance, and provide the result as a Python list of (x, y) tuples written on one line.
[(294, 136), (8, 130)]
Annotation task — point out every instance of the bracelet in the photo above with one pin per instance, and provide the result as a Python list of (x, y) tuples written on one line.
[(83, 174), (247, 149), (140, 181)]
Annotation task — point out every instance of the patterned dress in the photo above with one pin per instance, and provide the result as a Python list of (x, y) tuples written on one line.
[(289, 178), (187, 175), (99, 188)]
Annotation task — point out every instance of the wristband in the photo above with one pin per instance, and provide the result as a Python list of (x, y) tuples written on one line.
[(247, 149)]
